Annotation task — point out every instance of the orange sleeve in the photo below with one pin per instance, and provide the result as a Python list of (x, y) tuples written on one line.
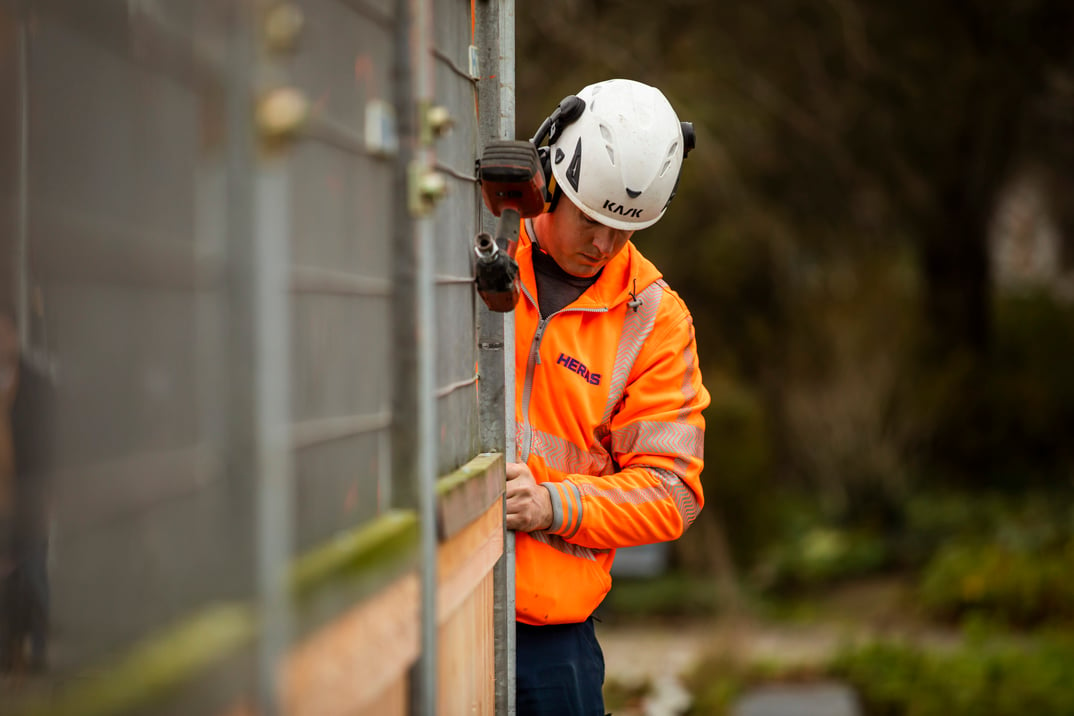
[(657, 442)]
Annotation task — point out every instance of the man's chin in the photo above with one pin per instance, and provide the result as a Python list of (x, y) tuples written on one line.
[(584, 271), (584, 268)]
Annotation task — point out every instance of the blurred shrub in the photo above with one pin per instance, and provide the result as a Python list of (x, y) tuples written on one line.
[(997, 554), (932, 519), (814, 552), (823, 555), (979, 679), (1016, 586), (1033, 520), (714, 688)]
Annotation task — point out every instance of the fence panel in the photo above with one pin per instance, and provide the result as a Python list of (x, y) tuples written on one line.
[(340, 239), (125, 309), (212, 305)]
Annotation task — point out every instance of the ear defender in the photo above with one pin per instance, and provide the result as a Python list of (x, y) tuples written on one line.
[(689, 141), (689, 138), (551, 190), (570, 108)]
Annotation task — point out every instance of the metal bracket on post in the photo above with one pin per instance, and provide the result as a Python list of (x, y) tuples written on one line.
[(281, 114), (474, 62), (425, 187)]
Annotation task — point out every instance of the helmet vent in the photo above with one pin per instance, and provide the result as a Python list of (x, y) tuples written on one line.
[(606, 135), (673, 152)]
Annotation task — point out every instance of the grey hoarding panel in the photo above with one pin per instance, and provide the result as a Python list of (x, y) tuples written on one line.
[(126, 221)]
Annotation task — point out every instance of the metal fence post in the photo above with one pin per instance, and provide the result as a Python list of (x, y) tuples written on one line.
[(496, 358), (273, 457), (240, 349), (425, 289)]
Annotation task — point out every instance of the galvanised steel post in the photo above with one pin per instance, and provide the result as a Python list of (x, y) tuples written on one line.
[(240, 405), (422, 194), (495, 20), (280, 110)]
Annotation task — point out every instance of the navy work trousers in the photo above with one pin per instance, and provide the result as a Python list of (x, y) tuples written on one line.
[(560, 670)]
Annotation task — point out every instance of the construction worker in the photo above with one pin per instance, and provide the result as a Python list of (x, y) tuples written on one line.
[(608, 393)]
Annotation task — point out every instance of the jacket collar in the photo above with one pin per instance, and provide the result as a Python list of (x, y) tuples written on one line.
[(617, 281)]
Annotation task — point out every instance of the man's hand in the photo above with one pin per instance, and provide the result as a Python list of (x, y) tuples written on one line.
[(529, 506)]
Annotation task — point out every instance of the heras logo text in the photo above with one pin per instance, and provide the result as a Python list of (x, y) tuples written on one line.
[(576, 366)]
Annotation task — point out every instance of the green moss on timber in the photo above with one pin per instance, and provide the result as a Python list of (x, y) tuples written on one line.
[(387, 537), (153, 669), (476, 468)]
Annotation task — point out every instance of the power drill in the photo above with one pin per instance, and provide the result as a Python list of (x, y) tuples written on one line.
[(512, 185)]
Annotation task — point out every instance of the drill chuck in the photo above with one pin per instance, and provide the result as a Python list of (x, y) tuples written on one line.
[(498, 283)]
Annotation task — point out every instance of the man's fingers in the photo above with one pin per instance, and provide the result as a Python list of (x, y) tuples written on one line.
[(524, 500), (516, 490), (516, 470), (519, 521)]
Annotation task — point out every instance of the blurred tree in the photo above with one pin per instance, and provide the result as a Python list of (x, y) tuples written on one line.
[(862, 118)]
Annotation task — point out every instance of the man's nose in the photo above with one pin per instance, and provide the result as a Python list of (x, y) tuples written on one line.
[(604, 240)]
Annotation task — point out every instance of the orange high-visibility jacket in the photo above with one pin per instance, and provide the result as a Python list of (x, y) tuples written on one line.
[(608, 416)]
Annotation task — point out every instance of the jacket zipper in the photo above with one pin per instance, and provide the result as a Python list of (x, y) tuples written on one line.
[(532, 361)]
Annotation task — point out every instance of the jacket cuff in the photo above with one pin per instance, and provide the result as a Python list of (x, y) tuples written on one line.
[(566, 508)]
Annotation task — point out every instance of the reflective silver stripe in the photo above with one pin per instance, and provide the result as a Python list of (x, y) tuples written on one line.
[(659, 438), (574, 515), (560, 544), (685, 499), (557, 506), (671, 485), (637, 325), (689, 393), (563, 455), (565, 514), (627, 495)]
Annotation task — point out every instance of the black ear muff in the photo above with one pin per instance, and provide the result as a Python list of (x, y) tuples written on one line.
[(689, 141), (551, 188), (570, 108), (544, 154)]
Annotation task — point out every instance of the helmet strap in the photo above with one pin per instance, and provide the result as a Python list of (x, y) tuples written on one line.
[(554, 201)]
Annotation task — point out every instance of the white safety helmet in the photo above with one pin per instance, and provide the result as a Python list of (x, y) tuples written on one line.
[(619, 161)]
